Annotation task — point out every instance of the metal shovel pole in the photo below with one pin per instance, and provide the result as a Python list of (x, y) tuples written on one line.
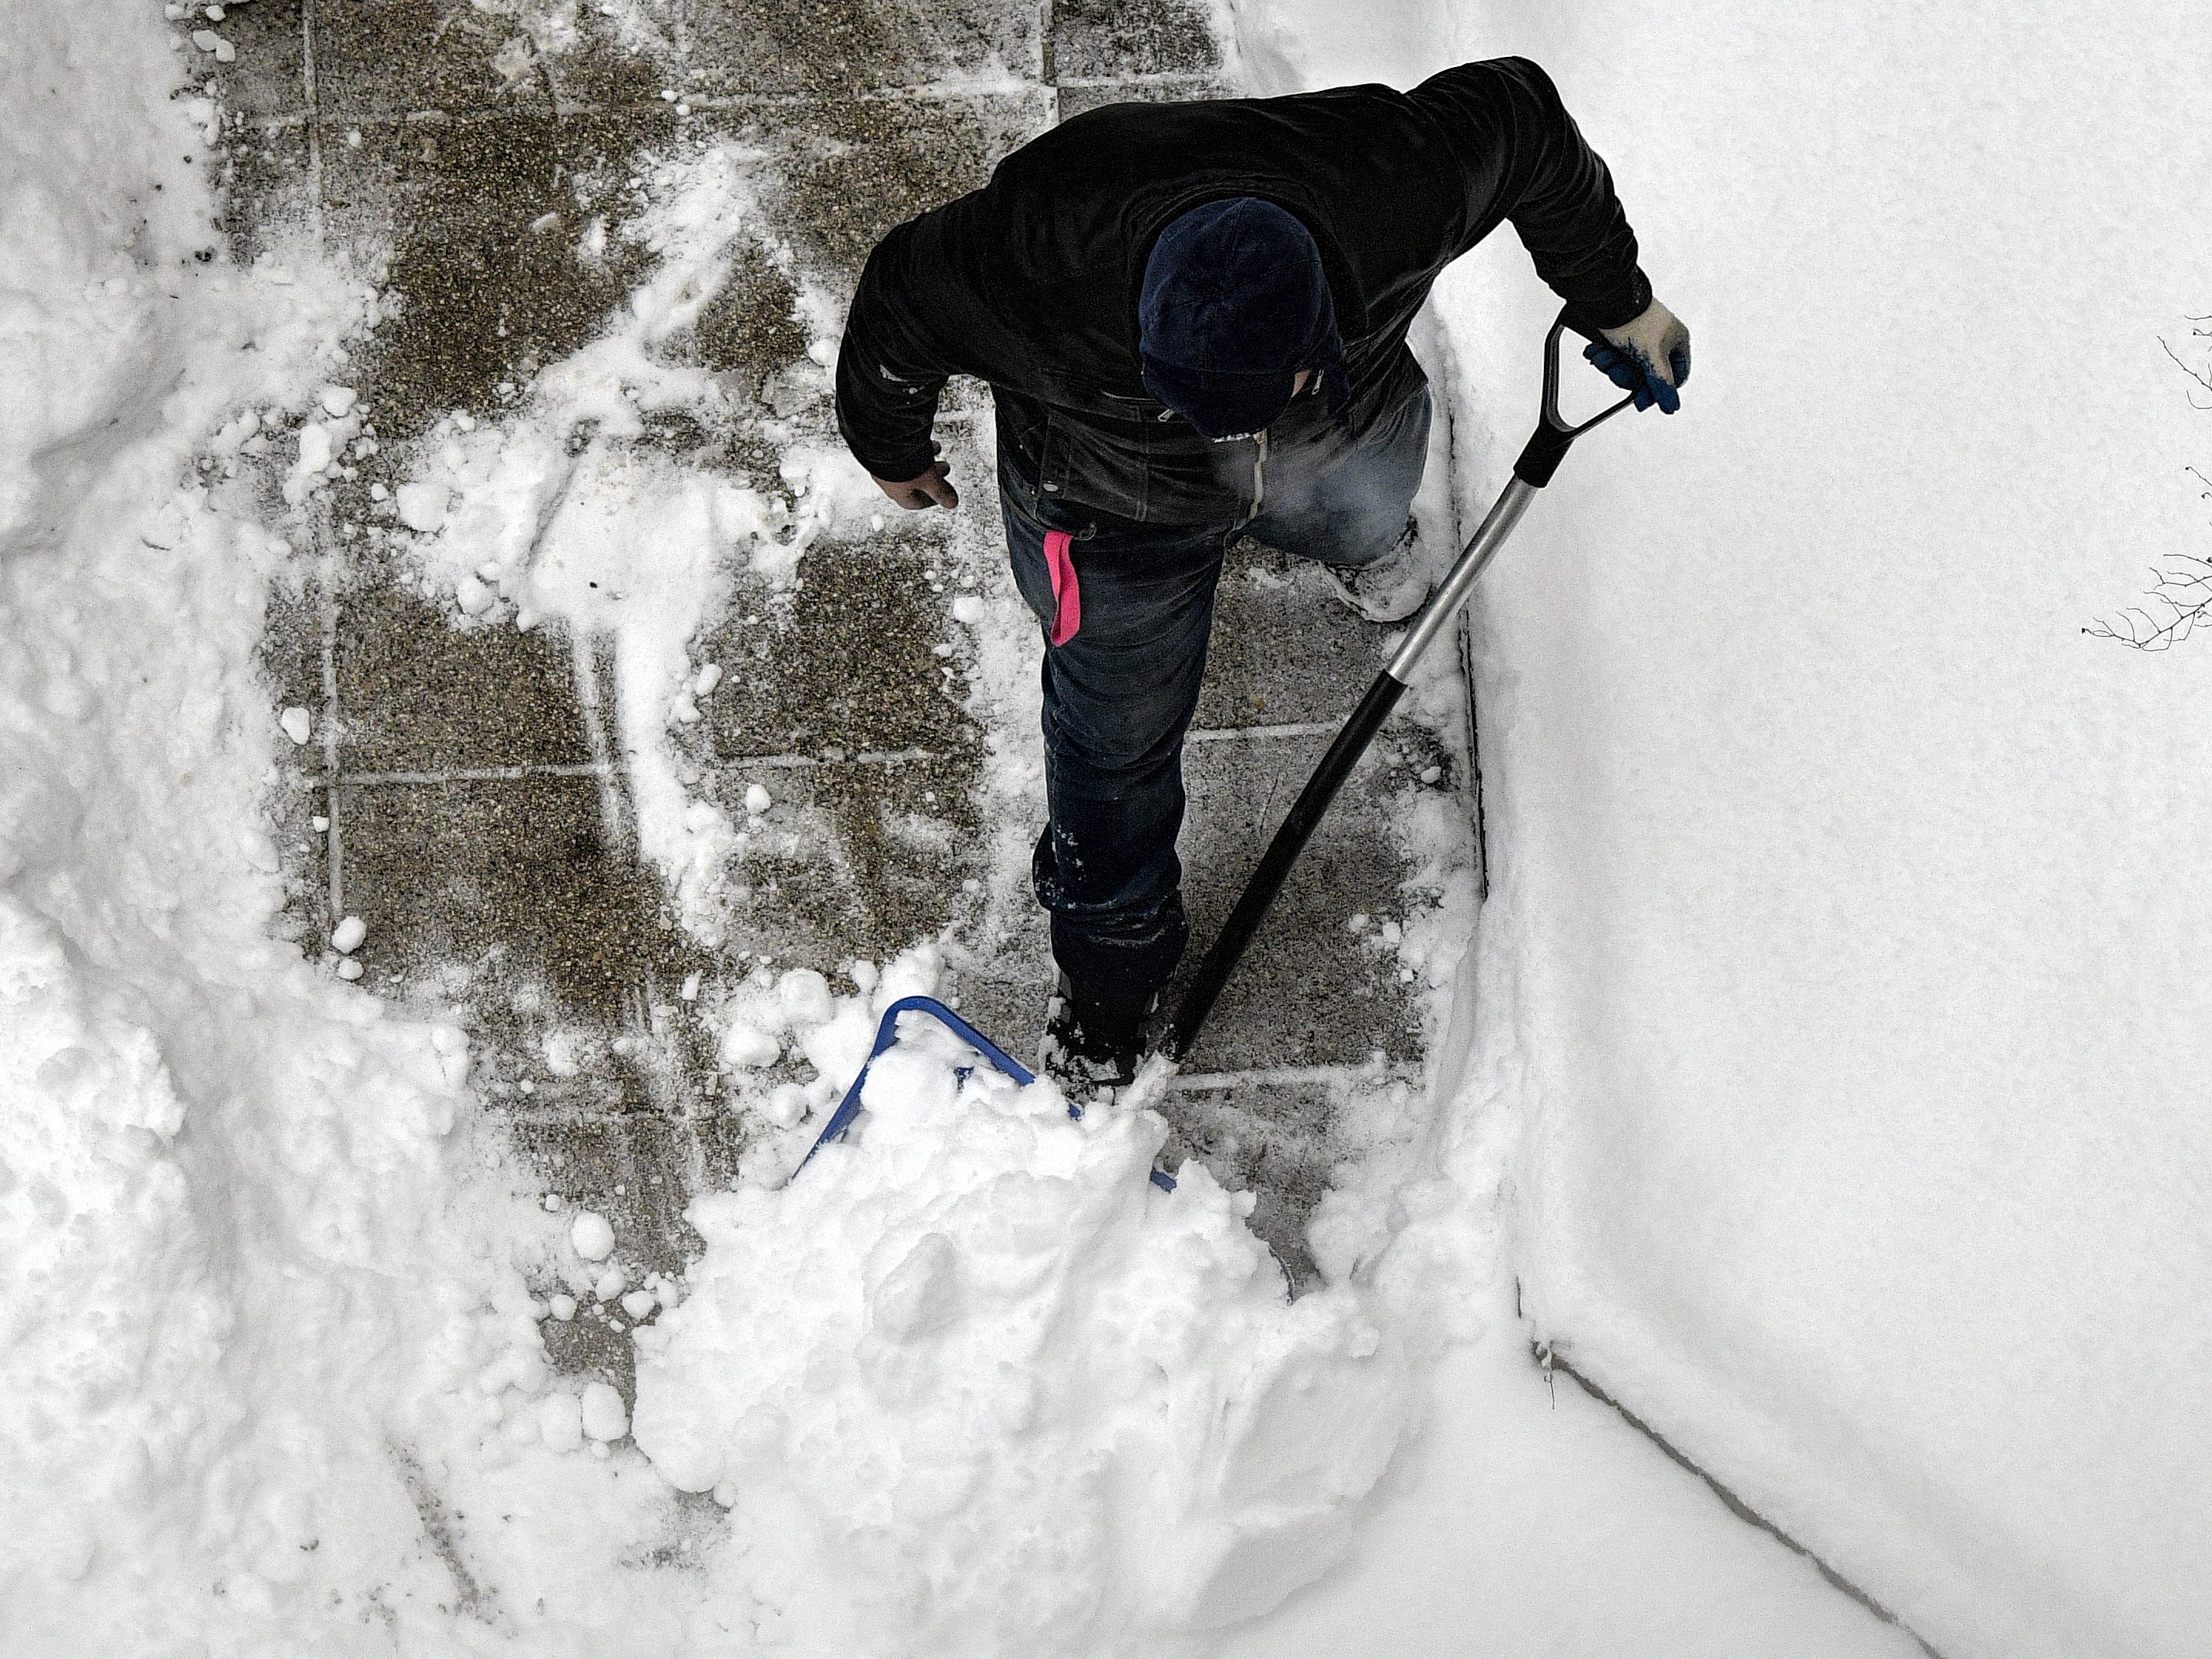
[(1531, 472)]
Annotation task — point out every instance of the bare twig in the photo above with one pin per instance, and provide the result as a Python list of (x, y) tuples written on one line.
[(2180, 597)]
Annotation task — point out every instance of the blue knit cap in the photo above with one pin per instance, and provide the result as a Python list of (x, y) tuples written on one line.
[(1235, 303)]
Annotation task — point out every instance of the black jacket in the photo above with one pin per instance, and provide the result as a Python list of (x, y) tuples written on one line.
[(1031, 282)]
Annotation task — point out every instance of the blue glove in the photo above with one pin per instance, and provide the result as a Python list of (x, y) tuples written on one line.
[(1629, 355)]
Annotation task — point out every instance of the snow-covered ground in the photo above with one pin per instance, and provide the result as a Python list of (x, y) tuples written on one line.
[(1854, 893), (1818, 1073)]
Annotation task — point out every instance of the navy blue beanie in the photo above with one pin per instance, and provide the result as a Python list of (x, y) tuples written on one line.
[(1235, 303)]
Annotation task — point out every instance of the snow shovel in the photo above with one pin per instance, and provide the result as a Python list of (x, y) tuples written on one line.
[(1539, 460), (887, 1034)]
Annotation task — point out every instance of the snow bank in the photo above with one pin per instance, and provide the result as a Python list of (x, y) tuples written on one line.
[(227, 1275), (971, 1384), (1854, 898)]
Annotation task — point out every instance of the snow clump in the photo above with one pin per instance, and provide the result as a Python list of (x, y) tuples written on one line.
[(591, 1235), (975, 1324)]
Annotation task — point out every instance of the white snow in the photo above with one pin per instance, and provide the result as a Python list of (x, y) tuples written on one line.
[(560, 1420), (604, 1417), (1847, 901), (591, 1236), (785, 1105), (972, 1269), (746, 1047), (422, 506), (231, 1277), (805, 997), (314, 442), (298, 724), (347, 936)]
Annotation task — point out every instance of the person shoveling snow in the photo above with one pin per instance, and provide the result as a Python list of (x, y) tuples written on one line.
[(1193, 318)]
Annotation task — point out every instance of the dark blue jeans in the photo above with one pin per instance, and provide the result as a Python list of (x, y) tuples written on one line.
[(1119, 695)]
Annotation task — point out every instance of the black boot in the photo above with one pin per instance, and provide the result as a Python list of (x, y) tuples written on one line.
[(1092, 1040)]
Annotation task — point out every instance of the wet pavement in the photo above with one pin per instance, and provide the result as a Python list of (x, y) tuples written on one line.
[(459, 794)]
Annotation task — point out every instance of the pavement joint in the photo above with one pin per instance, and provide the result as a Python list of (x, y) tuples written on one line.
[(1284, 1077), (1261, 733), (473, 774), (728, 103)]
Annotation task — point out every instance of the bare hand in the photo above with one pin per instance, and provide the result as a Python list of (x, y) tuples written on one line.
[(933, 489)]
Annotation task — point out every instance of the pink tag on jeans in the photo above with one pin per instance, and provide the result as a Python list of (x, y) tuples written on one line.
[(1067, 596)]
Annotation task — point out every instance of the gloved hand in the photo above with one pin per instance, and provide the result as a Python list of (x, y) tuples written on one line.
[(1649, 356)]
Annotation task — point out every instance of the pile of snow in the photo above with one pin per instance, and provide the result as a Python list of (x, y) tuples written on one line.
[(1852, 903), (230, 1273), (973, 1384)]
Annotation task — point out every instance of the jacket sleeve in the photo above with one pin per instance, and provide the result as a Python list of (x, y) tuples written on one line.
[(903, 338), (1524, 159)]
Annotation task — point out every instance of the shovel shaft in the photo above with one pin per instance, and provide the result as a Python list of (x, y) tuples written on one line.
[(1351, 740), (1259, 895), (1459, 581), (1553, 436)]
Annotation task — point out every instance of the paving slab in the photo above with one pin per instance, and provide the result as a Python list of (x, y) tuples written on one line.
[(292, 647), (635, 1168), (625, 61), (1272, 1138), (1320, 987), (832, 48), (1106, 40), (1314, 990), (420, 695), (850, 663), (268, 198), (512, 896), (486, 281), (269, 76), (1285, 651), (853, 168), (376, 59), (749, 332), (855, 859)]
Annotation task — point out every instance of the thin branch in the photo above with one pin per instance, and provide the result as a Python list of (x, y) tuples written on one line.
[(2180, 597)]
